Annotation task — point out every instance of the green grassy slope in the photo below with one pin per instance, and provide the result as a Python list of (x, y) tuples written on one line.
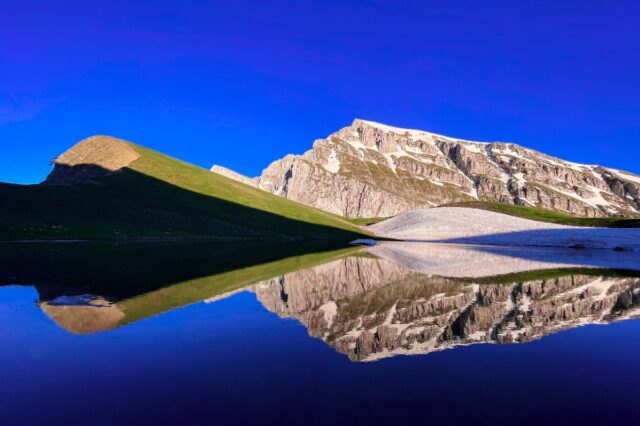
[(159, 196), (542, 215), (549, 274), (365, 221), (188, 292)]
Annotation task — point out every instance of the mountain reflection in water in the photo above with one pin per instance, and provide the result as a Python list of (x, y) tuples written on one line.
[(405, 298), (370, 308)]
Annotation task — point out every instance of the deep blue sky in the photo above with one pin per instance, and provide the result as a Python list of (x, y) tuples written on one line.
[(242, 83)]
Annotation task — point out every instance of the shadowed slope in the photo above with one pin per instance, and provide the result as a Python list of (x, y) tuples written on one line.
[(124, 271), (105, 188)]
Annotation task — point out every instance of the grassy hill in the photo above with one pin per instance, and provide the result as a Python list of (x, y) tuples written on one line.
[(106, 188), (365, 221), (542, 215)]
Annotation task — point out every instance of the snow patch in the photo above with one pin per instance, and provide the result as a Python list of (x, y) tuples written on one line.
[(333, 163), (629, 177), (391, 160), (413, 149), (475, 261), (504, 176), (564, 164), (329, 309), (521, 180), (525, 304), (594, 201), (508, 151), (467, 225), (476, 148), (412, 132)]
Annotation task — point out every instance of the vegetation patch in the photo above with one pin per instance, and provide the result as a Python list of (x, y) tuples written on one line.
[(366, 221)]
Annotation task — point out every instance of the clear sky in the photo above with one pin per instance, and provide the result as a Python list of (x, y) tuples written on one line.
[(242, 83)]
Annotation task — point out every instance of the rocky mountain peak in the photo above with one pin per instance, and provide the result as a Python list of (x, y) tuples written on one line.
[(370, 169)]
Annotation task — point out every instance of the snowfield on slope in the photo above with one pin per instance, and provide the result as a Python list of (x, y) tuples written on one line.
[(475, 226), (477, 261)]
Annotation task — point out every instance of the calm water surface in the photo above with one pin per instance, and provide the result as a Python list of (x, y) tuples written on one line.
[(398, 334)]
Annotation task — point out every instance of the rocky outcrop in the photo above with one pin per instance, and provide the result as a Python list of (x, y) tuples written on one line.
[(91, 159), (369, 308), (373, 170), (83, 314), (234, 175)]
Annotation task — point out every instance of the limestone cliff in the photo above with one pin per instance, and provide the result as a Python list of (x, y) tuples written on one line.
[(373, 170), (234, 175)]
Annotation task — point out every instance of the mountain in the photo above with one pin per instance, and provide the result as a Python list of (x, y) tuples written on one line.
[(108, 188), (369, 170)]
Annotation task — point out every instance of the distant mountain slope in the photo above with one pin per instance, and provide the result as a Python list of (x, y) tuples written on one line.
[(109, 188), (372, 170)]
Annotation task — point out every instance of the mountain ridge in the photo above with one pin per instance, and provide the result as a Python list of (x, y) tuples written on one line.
[(370, 169)]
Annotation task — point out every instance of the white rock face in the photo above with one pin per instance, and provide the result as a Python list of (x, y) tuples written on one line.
[(374, 170), (234, 175)]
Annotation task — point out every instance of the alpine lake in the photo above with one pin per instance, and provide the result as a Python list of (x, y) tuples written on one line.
[(315, 334)]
